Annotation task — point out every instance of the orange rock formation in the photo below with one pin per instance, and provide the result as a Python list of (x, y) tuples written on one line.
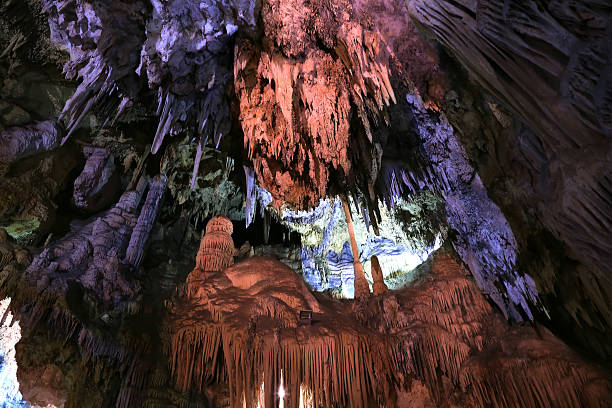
[(438, 342)]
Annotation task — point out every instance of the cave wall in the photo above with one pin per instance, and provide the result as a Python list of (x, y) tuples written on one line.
[(539, 135)]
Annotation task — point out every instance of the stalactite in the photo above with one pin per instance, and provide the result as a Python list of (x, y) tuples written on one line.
[(297, 107), (241, 328)]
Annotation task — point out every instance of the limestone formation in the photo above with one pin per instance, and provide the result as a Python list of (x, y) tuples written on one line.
[(296, 92), (467, 142), (378, 287), (94, 256), (95, 188), (217, 247), (242, 327), (559, 50), (19, 142), (216, 252), (362, 288)]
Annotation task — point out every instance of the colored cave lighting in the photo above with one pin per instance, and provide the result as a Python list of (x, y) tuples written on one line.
[(327, 260), (281, 392), (10, 334), (305, 396)]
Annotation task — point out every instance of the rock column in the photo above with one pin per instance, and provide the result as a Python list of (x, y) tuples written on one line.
[(362, 289)]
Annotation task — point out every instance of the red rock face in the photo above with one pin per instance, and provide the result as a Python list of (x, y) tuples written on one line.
[(436, 343), (307, 95)]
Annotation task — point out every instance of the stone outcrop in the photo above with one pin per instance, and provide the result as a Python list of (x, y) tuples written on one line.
[(96, 257), (95, 188), (547, 163), (142, 230), (30, 189), (485, 240), (217, 247), (187, 58), (549, 65), (20, 142), (83, 286)]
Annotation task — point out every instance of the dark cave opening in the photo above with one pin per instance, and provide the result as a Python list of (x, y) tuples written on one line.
[(255, 234)]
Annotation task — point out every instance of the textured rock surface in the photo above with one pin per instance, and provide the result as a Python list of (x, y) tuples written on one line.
[(94, 259), (145, 222), (559, 49), (217, 247), (96, 186), (485, 240), (187, 57), (311, 98), (309, 113), (19, 142), (544, 65), (83, 287), (104, 41), (241, 327), (29, 190), (181, 48)]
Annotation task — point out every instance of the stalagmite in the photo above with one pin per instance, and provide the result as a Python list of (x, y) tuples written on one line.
[(241, 328), (362, 289), (215, 254), (146, 219), (379, 286)]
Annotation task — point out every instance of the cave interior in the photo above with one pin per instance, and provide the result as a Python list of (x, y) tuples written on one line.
[(305, 203)]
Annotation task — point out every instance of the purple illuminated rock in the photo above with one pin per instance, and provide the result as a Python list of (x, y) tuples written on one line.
[(549, 62), (182, 48), (92, 255), (145, 222), (104, 39), (98, 184), (485, 240), (23, 141)]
